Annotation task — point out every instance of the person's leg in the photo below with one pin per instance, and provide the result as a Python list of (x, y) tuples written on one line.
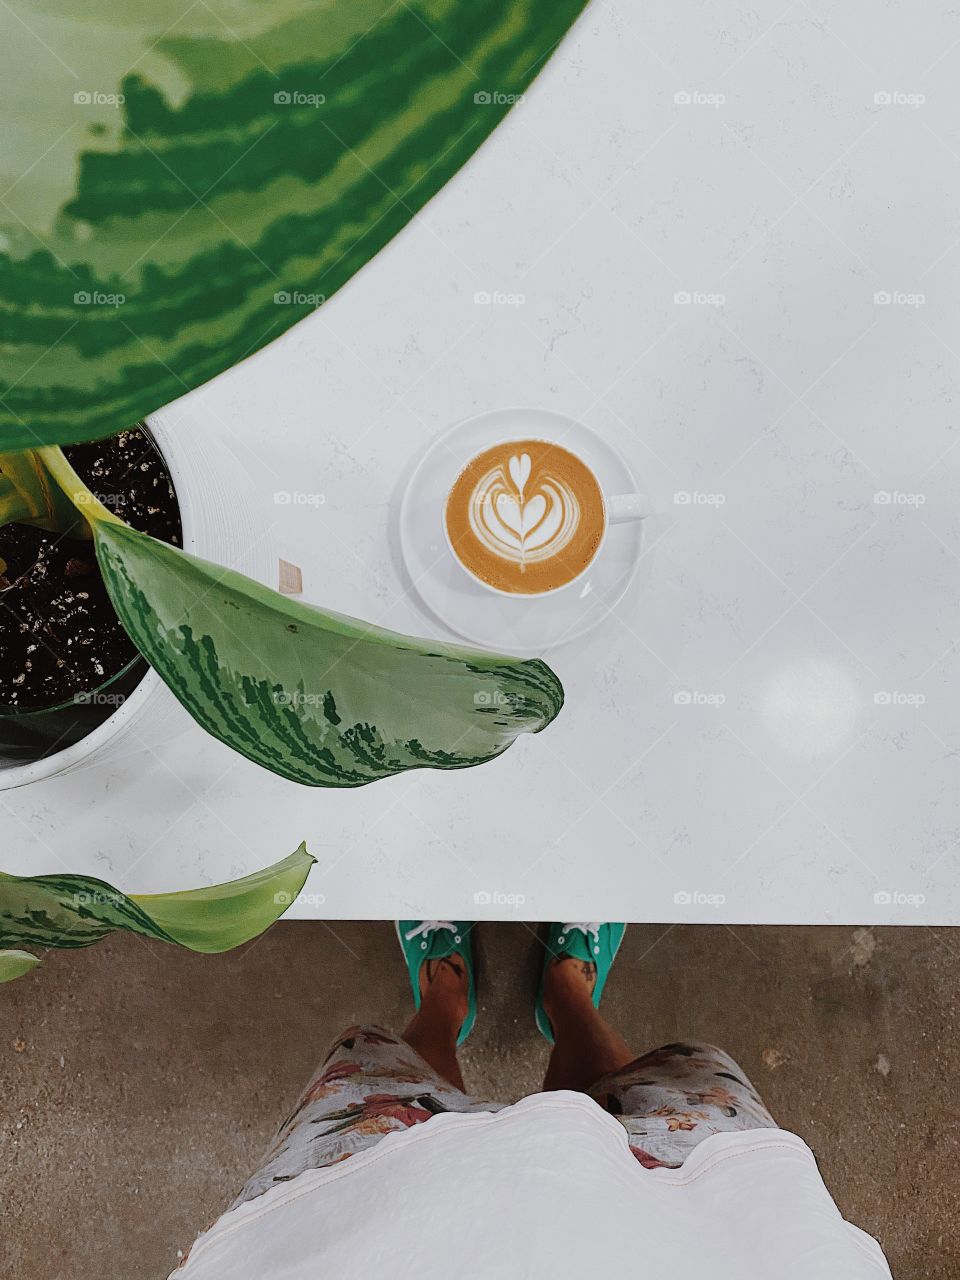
[(434, 1028), (586, 1046)]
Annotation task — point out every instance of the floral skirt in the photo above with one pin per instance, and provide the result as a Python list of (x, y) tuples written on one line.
[(372, 1083)]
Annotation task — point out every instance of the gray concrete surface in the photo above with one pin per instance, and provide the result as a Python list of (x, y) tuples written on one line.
[(140, 1083)]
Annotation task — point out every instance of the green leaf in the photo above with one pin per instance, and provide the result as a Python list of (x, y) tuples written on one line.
[(223, 916), (146, 240), (316, 697), (14, 964), (75, 911), (29, 495), (313, 696)]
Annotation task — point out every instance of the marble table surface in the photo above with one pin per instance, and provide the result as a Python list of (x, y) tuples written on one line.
[(731, 240)]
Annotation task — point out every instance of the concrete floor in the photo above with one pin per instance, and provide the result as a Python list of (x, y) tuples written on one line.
[(141, 1083)]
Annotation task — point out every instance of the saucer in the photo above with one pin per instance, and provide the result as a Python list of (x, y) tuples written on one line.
[(524, 625)]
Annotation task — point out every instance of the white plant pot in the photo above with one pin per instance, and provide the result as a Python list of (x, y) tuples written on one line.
[(222, 521)]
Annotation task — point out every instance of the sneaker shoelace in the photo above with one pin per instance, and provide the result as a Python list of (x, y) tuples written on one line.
[(427, 927), (590, 930)]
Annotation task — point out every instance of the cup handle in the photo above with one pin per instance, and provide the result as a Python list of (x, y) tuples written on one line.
[(627, 506)]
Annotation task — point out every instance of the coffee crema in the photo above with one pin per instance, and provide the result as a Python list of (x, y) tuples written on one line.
[(526, 516)]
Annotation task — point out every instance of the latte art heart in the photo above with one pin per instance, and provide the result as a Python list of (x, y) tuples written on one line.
[(520, 519), (525, 517), (523, 529), (520, 471)]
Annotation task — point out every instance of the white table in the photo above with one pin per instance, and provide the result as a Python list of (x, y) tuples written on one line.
[(768, 729)]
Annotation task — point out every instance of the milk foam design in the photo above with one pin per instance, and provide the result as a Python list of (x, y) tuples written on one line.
[(520, 526), (525, 516)]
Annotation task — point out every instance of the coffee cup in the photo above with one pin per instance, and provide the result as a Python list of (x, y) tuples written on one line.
[(528, 518)]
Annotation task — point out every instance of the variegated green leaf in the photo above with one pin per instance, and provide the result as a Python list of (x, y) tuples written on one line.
[(75, 911), (316, 697), (14, 964), (181, 184)]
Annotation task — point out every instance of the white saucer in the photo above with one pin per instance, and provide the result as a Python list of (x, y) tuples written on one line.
[(522, 625)]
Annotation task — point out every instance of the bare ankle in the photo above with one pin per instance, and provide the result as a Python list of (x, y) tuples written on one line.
[(568, 985), (444, 990)]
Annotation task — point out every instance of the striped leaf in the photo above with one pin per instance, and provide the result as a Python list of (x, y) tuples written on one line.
[(182, 186), (315, 697), (71, 911)]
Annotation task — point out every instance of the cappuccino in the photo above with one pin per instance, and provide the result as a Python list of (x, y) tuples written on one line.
[(525, 517)]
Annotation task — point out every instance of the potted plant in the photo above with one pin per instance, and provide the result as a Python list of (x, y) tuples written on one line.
[(194, 225), (211, 511), (204, 186)]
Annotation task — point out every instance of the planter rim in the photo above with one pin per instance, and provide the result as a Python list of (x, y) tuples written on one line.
[(19, 775), (21, 713)]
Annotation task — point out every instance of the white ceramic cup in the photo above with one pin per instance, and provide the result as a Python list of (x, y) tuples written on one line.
[(617, 508)]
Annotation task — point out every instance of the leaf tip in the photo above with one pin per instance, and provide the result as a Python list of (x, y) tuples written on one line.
[(14, 964)]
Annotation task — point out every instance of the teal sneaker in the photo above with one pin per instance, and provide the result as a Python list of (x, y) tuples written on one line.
[(593, 941), (422, 940)]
